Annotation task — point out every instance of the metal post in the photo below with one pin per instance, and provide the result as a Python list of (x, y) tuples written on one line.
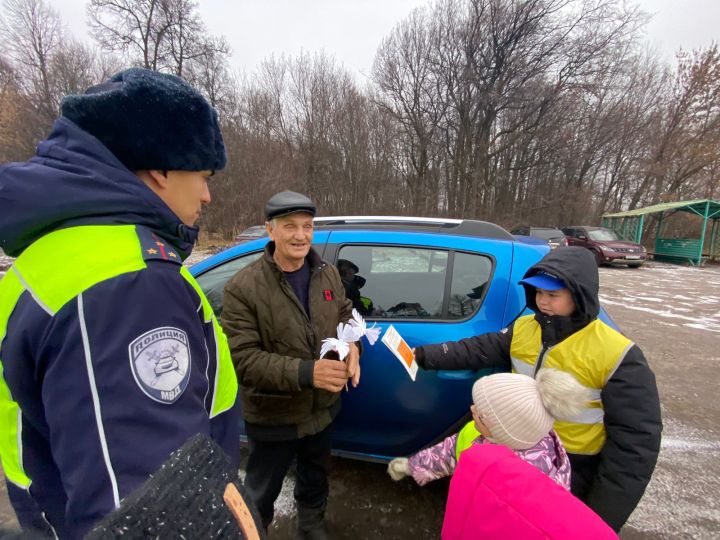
[(702, 233), (658, 231), (639, 229)]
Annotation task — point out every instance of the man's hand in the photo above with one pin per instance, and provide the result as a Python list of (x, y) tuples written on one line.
[(353, 365), (329, 375)]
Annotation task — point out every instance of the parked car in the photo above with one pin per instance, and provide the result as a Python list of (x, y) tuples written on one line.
[(553, 237), (607, 246), (433, 280), (251, 233)]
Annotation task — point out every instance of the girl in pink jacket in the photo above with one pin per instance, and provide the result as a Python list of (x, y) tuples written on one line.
[(496, 496), (513, 410)]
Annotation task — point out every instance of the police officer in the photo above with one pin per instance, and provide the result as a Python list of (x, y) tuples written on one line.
[(111, 355)]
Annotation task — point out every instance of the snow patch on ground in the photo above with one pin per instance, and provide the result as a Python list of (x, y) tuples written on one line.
[(695, 308), (676, 504), (5, 263), (285, 503), (198, 255)]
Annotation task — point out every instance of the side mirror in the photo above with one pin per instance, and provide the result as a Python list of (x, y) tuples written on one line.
[(582, 237)]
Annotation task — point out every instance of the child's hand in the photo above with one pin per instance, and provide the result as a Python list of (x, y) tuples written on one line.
[(398, 468)]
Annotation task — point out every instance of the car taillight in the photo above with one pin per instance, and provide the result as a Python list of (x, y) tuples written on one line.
[(564, 242)]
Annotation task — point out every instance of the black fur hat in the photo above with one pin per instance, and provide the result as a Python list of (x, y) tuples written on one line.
[(150, 120)]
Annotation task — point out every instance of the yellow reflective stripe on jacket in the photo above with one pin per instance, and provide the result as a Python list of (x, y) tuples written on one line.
[(57, 268), (225, 385), (54, 278), (10, 416), (465, 438), (591, 355)]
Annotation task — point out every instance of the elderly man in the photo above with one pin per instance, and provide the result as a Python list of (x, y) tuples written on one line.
[(276, 312), (111, 355)]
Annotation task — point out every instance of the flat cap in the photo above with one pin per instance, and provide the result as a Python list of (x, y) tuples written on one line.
[(288, 202)]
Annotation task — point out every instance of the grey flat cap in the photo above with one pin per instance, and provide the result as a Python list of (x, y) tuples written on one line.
[(288, 202)]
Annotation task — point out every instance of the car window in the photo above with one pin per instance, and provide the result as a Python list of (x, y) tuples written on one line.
[(603, 235), (575, 233), (409, 283), (470, 278), (213, 281), (547, 234)]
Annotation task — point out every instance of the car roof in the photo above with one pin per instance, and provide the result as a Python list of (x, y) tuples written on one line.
[(465, 227), (533, 227)]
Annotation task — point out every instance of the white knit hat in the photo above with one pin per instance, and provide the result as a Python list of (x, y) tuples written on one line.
[(514, 407)]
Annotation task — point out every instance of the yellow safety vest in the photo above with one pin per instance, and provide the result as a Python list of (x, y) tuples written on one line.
[(466, 436), (591, 355)]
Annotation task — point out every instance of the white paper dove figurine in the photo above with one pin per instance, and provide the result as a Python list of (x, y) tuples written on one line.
[(341, 344), (334, 344), (361, 329), (346, 332)]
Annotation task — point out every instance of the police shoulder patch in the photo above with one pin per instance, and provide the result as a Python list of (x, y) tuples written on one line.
[(160, 363), (154, 247)]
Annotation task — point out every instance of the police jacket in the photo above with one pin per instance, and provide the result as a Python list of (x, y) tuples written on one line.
[(274, 345), (614, 445), (111, 357)]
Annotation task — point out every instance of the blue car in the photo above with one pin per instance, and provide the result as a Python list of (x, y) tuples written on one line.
[(433, 280)]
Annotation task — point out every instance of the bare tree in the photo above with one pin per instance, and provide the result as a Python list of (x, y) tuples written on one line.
[(407, 76), (165, 35), (687, 146), (32, 34), (137, 28)]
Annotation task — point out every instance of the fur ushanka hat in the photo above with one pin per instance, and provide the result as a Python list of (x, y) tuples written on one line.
[(150, 120)]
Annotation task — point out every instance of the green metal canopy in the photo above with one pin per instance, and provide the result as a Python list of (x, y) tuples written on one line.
[(629, 224), (696, 206)]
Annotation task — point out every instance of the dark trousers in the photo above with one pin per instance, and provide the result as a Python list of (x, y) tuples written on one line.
[(584, 469), (269, 461)]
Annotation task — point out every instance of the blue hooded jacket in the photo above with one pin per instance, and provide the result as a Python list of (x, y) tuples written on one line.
[(94, 423)]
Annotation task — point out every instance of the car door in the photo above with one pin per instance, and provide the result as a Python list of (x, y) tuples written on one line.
[(572, 237), (431, 288)]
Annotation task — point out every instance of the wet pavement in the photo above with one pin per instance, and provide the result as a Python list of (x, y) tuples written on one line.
[(673, 313)]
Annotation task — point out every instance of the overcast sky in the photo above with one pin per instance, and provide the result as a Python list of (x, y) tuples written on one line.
[(351, 30)]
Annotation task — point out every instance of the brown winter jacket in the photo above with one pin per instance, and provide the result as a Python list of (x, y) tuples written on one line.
[(274, 345)]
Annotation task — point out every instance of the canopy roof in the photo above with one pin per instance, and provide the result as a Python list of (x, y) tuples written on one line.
[(696, 207)]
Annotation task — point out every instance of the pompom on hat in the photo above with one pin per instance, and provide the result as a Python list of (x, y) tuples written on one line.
[(519, 410), (150, 120)]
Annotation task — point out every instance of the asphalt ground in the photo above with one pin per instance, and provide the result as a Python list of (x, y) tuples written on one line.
[(673, 314)]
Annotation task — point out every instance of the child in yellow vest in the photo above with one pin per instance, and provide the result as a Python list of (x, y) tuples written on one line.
[(614, 442), (513, 410)]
